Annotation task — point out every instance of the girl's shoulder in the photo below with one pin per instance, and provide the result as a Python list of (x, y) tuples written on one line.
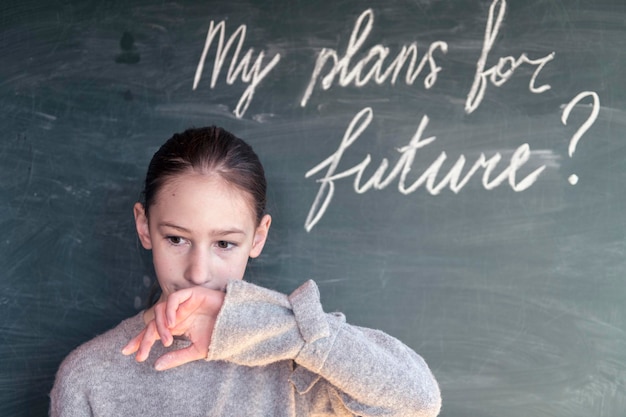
[(104, 349)]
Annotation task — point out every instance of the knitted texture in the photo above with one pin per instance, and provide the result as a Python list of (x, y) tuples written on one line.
[(270, 355)]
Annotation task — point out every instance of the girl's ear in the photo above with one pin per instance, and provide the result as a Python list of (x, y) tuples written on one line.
[(260, 236), (141, 224)]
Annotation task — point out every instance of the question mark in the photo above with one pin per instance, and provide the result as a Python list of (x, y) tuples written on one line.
[(573, 179)]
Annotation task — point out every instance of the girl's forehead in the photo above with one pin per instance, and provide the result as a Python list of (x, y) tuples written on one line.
[(192, 193), (195, 182)]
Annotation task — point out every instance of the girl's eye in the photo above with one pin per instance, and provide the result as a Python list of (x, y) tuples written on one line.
[(175, 240), (222, 244)]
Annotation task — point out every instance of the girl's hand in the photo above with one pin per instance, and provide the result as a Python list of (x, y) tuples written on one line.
[(190, 312)]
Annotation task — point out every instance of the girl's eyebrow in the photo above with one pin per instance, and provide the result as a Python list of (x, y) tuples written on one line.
[(214, 232), (226, 232), (173, 226)]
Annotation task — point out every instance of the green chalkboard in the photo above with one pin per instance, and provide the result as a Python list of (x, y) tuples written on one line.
[(449, 171)]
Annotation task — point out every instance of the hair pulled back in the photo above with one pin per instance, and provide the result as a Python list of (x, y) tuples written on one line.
[(208, 150)]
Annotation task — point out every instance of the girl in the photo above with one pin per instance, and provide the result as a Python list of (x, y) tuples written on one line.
[(231, 348)]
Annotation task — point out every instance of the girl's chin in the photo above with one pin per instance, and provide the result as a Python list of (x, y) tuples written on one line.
[(171, 290)]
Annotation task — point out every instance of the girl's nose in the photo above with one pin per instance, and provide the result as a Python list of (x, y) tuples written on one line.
[(198, 270)]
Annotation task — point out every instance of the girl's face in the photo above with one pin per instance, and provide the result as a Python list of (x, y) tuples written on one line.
[(201, 231)]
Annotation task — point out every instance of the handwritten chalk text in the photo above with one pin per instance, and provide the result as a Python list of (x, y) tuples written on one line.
[(506, 66), (382, 177), (251, 74), (358, 66), (359, 74)]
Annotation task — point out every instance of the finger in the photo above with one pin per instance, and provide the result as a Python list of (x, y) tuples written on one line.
[(179, 357), (161, 326), (173, 303), (132, 346), (150, 336)]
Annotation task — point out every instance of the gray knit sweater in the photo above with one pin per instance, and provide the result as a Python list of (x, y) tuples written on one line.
[(271, 355)]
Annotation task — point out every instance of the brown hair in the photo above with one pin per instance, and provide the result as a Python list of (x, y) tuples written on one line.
[(208, 150)]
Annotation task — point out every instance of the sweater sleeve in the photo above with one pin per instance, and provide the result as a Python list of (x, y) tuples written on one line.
[(371, 372)]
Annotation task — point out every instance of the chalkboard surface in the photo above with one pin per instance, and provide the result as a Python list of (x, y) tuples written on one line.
[(451, 172)]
